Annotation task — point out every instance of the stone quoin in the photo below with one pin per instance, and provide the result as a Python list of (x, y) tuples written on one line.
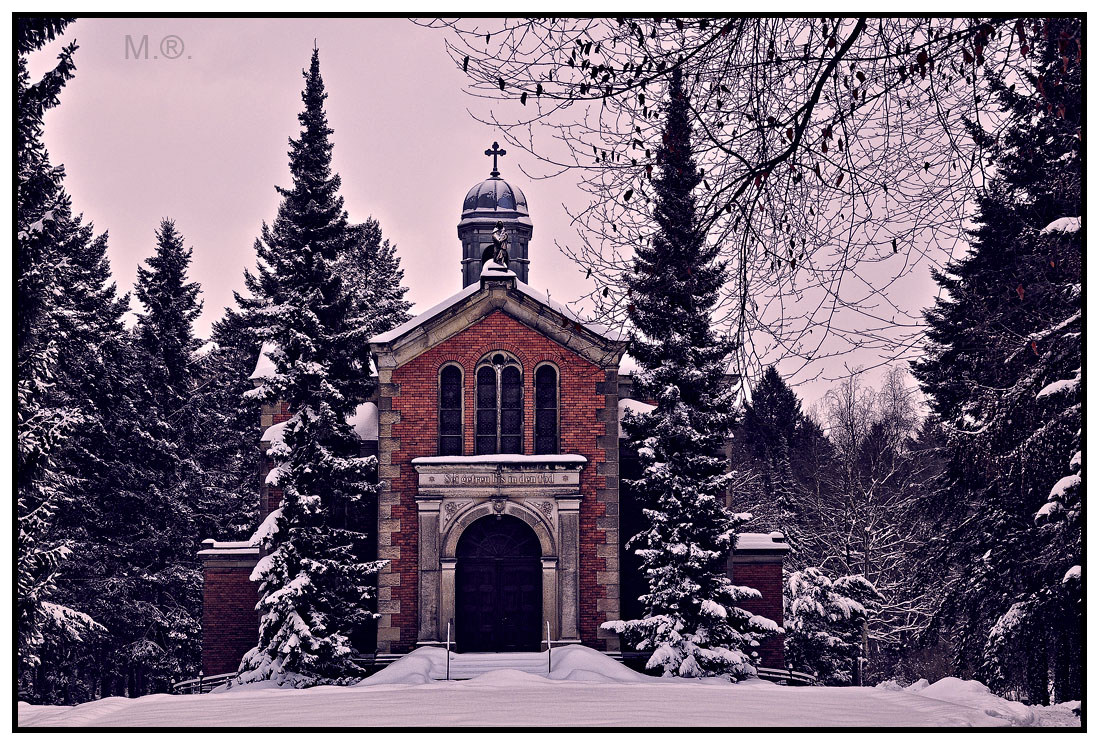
[(502, 511)]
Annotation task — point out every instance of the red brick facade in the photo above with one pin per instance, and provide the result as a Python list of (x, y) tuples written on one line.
[(582, 400), (229, 622), (767, 578)]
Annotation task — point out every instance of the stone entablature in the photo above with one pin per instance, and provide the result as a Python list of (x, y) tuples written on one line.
[(541, 490), (537, 473)]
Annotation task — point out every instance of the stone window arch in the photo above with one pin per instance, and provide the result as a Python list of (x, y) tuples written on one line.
[(499, 400), (450, 409), (547, 409)]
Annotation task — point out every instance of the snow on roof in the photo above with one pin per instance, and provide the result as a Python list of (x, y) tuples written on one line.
[(427, 315), (605, 331), (265, 366), (773, 541), (633, 406), (365, 421), (474, 288), (228, 548), (1063, 225), (205, 349), (532, 460)]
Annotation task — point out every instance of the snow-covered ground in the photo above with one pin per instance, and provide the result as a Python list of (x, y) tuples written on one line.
[(586, 689)]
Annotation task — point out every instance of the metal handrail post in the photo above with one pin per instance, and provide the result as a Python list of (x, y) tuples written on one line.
[(549, 650), (448, 650)]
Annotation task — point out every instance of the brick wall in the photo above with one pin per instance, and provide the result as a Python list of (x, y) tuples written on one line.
[(414, 417), (270, 496), (229, 622), (767, 578)]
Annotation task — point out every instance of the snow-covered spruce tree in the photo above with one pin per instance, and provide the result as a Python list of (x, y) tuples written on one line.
[(155, 611), (96, 375), (226, 430), (824, 623), (372, 275), (1007, 328), (44, 419), (691, 626), (314, 587), (165, 330), (130, 509), (762, 442)]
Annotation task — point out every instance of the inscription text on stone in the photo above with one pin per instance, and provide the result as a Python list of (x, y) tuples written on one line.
[(499, 479)]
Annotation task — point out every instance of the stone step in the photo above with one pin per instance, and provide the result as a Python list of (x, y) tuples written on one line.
[(470, 665)]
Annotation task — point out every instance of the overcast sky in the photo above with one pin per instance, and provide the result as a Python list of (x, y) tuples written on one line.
[(202, 138)]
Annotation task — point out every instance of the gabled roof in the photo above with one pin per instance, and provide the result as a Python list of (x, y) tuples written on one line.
[(499, 289)]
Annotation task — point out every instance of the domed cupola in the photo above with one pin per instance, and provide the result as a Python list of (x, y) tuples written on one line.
[(495, 195), (491, 201)]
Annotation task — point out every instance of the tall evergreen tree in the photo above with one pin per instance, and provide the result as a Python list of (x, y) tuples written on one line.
[(1006, 329), (763, 442), (166, 329), (372, 275), (226, 430), (122, 459), (45, 419), (692, 625), (131, 507), (314, 587)]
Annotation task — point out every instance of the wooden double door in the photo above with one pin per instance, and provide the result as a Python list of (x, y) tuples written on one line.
[(498, 587)]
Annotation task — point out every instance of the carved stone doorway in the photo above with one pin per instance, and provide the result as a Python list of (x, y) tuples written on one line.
[(498, 587)]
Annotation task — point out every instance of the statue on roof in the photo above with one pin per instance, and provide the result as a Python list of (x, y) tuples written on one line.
[(497, 251)]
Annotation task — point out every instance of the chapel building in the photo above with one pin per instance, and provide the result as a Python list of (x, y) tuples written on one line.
[(502, 512)]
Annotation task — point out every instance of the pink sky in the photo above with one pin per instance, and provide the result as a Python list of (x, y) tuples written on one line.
[(203, 139)]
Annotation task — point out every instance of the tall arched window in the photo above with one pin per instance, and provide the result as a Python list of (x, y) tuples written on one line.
[(545, 410), (499, 405), (450, 410)]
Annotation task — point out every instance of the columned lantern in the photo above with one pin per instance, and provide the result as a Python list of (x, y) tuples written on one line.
[(489, 202)]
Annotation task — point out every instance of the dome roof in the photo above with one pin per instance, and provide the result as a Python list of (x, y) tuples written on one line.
[(495, 195)]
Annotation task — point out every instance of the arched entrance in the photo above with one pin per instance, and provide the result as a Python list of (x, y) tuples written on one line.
[(498, 587)]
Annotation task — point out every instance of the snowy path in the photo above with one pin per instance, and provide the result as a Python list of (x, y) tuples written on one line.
[(518, 699), (586, 689)]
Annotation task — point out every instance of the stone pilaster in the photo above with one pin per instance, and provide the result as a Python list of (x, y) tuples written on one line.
[(430, 569), (388, 577), (568, 568), (609, 605)]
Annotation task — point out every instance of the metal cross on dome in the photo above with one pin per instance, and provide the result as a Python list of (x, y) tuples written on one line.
[(495, 151)]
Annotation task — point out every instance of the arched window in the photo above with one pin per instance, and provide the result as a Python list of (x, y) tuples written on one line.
[(499, 405), (545, 410), (450, 410)]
